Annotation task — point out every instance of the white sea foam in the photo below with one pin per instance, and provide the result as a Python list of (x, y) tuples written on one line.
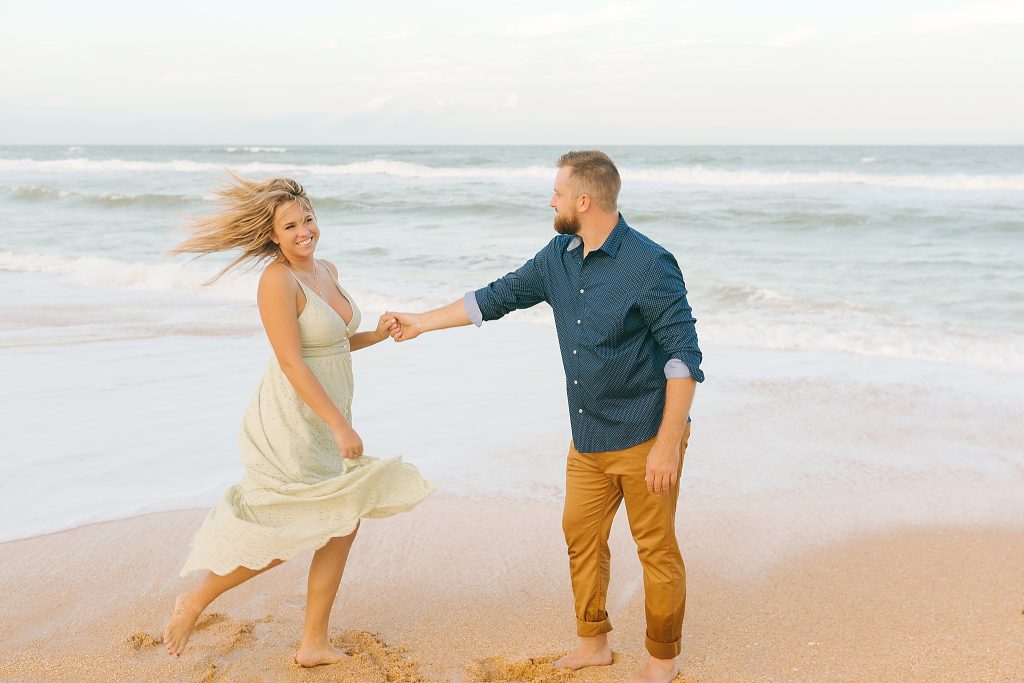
[(730, 315), (696, 176), (145, 276), (700, 176), (39, 192), (256, 150), (399, 169)]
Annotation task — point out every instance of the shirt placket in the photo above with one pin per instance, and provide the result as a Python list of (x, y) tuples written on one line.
[(578, 341)]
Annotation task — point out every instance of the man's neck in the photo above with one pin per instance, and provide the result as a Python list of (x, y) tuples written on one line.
[(595, 231)]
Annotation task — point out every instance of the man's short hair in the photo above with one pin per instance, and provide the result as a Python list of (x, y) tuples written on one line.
[(593, 173)]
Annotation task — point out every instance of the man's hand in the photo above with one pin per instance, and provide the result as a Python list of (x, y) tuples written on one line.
[(662, 467), (406, 326)]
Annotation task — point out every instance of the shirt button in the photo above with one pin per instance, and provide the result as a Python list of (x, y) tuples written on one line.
[(574, 352), (575, 381), (581, 291), (581, 410), (578, 322)]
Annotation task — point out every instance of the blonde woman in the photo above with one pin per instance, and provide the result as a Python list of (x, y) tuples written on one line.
[(307, 483)]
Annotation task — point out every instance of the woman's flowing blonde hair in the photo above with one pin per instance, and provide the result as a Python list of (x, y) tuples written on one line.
[(244, 221)]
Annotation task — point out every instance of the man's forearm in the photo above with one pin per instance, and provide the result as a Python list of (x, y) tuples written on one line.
[(678, 399), (452, 315)]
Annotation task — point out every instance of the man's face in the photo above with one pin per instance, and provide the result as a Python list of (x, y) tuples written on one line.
[(567, 218)]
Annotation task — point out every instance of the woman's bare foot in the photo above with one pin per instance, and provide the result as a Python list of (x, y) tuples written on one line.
[(657, 671), (319, 655), (180, 625), (590, 652)]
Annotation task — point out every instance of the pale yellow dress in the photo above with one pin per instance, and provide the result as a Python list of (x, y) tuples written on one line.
[(298, 492)]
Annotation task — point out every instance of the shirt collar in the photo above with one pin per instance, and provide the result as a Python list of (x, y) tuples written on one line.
[(611, 244)]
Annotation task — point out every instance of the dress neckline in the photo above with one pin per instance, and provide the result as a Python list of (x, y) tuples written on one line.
[(307, 290)]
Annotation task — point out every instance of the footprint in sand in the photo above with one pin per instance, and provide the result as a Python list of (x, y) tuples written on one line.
[(532, 670), (232, 633), (209, 619), (372, 658)]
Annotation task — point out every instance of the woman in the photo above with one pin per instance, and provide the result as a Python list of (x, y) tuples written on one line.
[(307, 482)]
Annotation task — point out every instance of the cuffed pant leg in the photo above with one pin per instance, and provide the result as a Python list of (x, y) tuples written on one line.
[(652, 523), (591, 500)]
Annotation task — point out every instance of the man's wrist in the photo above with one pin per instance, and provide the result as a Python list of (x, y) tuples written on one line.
[(669, 435)]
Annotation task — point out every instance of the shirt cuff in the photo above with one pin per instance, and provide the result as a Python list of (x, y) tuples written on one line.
[(473, 309), (675, 369)]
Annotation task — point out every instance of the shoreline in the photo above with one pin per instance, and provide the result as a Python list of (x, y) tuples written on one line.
[(462, 590), (768, 421)]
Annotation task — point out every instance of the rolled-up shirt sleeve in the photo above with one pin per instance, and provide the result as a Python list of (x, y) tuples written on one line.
[(670, 319), (674, 369), (473, 309), (522, 288)]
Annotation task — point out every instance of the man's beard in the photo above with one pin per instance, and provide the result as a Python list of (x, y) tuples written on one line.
[(567, 225)]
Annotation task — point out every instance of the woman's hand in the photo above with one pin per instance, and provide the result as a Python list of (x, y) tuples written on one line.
[(385, 326), (349, 443)]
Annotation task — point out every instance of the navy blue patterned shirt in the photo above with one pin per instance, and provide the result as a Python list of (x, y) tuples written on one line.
[(623, 325)]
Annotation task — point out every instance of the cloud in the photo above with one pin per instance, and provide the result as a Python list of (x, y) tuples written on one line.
[(511, 102), (558, 23), (795, 36), (984, 14), (404, 34), (187, 78), (377, 102)]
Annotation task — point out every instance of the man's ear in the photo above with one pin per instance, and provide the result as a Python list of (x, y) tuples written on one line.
[(583, 202)]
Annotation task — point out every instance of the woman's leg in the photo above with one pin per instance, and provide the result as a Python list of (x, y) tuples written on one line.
[(324, 577), (189, 605)]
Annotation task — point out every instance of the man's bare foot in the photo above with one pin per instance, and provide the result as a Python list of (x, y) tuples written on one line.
[(657, 671), (590, 652), (319, 655), (179, 626)]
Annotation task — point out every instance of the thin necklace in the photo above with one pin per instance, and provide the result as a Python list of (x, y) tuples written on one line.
[(316, 279)]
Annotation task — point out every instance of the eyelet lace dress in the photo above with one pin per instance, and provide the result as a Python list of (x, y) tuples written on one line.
[(298, 492)]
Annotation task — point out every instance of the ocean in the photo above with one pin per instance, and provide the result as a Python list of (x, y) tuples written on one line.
[(884, 255), (907, 252)]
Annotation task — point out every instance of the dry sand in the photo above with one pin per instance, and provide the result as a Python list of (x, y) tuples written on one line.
[(466, 590)]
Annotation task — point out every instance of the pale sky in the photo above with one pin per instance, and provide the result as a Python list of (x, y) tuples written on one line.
[(393, 72)]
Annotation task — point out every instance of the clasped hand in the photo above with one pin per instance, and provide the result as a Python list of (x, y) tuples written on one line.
[(404, 326)]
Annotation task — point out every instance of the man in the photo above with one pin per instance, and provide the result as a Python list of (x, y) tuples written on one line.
[(631, 360)]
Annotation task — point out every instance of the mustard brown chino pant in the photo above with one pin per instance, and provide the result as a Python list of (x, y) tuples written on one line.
[(595, 484)]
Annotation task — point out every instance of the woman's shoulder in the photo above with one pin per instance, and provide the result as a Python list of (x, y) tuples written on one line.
[(331, 268), (277, 275)]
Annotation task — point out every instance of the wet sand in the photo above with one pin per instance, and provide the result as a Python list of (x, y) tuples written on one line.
[(470, 590)]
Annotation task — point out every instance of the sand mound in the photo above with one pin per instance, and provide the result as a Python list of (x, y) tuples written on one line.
[(534, 670), (377, 660), (210, 675), (143, 641)]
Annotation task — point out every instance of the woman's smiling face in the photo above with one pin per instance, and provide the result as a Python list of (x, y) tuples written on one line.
[(295, 231)]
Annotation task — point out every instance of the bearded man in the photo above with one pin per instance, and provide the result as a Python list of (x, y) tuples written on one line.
[(629, 347)]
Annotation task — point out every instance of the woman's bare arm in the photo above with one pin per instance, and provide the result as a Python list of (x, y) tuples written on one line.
[(277, 297)]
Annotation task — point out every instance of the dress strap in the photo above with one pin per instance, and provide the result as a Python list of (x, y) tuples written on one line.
[(296, 275)]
